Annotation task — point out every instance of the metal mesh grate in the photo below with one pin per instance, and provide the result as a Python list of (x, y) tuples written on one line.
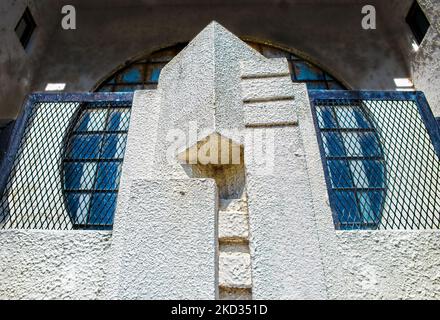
[(66, 167), (380, 160)]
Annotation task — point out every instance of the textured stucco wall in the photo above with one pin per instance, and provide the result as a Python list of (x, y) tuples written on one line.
[(426, 62), (389, 264), (365, 264), (53, 264)]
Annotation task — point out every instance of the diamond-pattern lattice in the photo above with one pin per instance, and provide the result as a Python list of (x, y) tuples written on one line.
[(66, 172), (382, 168)]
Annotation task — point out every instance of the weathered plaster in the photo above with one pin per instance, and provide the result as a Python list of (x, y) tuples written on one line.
[(389, 265), (53, 264), (164, 241)]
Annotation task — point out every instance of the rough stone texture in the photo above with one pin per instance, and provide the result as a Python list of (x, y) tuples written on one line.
[(318, 194), (286, 259), (53, 264), (233, 225), (389, 264), (235, 270), (266, 89), (164, 241), (262, 68), (426, 62), (270, 113)]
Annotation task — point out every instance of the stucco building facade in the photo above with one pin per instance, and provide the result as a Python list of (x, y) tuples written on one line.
[(273, 154)]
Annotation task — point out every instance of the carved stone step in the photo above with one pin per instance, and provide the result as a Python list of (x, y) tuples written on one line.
[(233, 205), (233, 226), (235, 270)]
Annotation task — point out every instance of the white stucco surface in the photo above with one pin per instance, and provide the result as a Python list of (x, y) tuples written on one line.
[(53, 264), (164, 241), (389, 265)]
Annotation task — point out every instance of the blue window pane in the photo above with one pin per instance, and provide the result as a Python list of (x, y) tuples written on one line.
[(371, 203), (333, 144), (108, 175), (362, 121), (369, 144), (326, 118), (305, 71), (155, 74), (85, 147), (114, 146), (375, 173), (92, 120), (72, 175), (102, 209), (345, 204), (133, 75), (78, 206), (340, 174), (118, 120)]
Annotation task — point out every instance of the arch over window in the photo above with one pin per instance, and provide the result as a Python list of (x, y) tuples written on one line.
[(143, 73), (92, 164)]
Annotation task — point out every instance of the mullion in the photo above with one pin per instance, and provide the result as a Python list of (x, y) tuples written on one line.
[(333, 108), (102, 142)]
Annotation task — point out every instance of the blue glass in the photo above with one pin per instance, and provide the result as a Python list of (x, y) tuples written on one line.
[(78, 205), (369, 144), (85, 147), (305, 71), (361, 119), (114, 146), (108, 176), (333, 144), (133, 75), (114, 121), (346, 208), (371, 206), (155, 74), (340, 174), (118, 120), (83, 122), (72, 175), (375, 173), (326, 118), (102, 209)]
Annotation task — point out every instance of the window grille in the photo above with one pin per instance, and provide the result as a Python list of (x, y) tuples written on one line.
[(62, 171), (380, 155)]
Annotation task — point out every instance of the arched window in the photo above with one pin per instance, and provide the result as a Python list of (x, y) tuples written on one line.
[(92, 164), (355, 164), (143, 73)]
